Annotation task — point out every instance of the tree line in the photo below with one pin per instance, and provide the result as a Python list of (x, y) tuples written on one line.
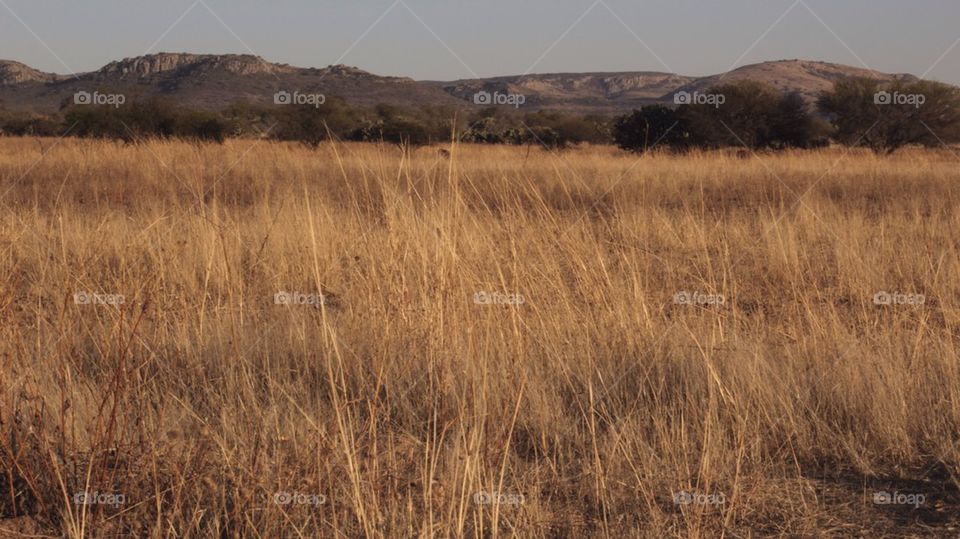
[(883, 116), (312, 124), (856, 112)]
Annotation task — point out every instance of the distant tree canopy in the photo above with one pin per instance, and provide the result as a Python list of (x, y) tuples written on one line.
[(880, 115), (152, 118), (312, 124), (550, 129), (886, 117), (405, 128), (743, 113), (29, 125), (650, 127)]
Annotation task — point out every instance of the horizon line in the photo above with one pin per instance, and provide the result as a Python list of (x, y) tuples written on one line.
[(533, 74)]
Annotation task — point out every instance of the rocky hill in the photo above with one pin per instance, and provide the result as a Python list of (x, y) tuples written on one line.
[(212, 82), (802, 76), (185, 65), (598, 92), (15, 73)]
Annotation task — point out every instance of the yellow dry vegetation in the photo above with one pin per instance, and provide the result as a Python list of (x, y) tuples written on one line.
[(262, 340)]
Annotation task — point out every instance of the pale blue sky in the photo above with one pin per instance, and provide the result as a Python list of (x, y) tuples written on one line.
[(492, 37)]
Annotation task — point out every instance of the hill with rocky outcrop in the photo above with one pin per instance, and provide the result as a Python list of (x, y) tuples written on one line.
[(213, 82)]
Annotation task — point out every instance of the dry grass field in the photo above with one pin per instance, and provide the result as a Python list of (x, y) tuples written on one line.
[(261, 340)]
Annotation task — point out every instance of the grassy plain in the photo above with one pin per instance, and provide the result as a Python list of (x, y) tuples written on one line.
[(699, 329)]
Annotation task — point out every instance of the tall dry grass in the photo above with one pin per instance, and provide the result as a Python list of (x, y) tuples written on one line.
[(399, 406)]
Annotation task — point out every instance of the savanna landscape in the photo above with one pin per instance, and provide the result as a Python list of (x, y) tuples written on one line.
[(578, 397), (543, 269)]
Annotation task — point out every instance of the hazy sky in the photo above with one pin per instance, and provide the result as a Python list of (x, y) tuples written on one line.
[(432, 39)]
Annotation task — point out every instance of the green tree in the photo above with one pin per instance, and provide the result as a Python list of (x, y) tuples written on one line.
[(889, 116), (393, 124), (557, 130), (738, 114), (312, 124), (751, 114), (652, 125), (793, 126)]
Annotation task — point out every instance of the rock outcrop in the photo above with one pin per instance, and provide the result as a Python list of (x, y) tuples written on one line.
[(170, 63), (13, 73)]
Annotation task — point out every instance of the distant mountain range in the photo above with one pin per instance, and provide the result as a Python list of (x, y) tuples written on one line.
[(212, 82)]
